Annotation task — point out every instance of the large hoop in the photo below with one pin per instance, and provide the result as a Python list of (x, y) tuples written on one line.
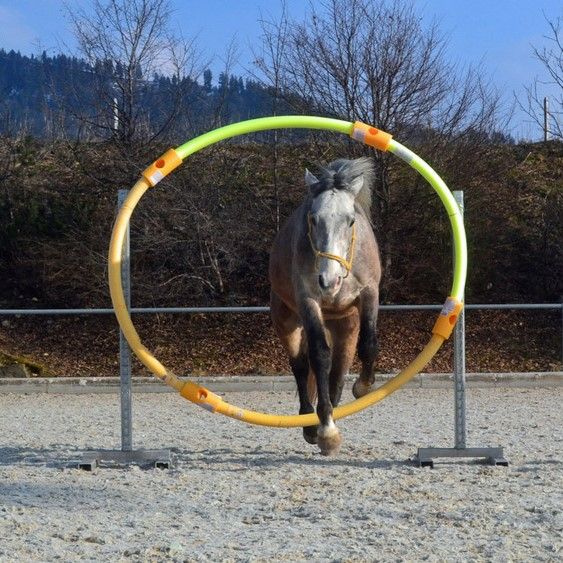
[(359, 131)]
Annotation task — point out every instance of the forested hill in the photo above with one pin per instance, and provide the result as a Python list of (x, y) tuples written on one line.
[(38, 94)]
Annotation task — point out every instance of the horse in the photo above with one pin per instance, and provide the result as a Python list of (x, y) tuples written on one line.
[(324, 273)]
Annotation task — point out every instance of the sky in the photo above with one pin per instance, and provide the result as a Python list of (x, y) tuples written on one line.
[(496, 33)]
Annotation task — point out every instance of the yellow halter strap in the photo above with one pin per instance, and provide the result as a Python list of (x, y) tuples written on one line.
[(347, 264)]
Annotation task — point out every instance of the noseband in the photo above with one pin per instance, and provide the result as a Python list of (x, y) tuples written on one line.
[(347, 264)]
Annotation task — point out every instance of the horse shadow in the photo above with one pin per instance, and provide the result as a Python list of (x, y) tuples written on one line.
[(236, 461), (229, 460)]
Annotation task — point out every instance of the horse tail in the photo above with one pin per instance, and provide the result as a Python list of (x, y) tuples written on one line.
[(312, 387)]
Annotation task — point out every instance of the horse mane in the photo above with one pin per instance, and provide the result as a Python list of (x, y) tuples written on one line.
[(339, 175)]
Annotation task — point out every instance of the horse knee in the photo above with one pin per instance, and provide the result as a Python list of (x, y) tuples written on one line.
[(299, 365), (367, 345), (320, 359)]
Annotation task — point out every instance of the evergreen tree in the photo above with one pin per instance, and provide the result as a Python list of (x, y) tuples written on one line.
[(36, 91), (207, 77)]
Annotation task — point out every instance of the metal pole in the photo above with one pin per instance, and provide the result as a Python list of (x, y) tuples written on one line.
[(459, 366), (124, 350), (546, 119), (198, 310)]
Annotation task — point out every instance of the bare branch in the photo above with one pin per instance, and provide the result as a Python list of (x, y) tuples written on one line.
[(551, 57), (127, 45)]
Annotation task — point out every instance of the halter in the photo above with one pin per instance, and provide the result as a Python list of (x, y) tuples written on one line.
[(347, 264)]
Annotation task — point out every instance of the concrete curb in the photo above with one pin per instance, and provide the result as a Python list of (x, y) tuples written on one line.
[(241, 384)]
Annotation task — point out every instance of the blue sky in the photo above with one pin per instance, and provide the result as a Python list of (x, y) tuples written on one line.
[(497, 33)]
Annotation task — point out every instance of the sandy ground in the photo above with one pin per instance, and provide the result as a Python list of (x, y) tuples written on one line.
[(242, 493)]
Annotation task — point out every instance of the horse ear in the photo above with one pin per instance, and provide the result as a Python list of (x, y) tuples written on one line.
[(310, 179), (356, 185)]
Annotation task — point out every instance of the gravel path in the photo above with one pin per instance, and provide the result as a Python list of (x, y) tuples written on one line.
[(242, 493)]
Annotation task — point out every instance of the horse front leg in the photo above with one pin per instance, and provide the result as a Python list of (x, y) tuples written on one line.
[(328, 436), (367, 345), (344, 340), (288, 327)]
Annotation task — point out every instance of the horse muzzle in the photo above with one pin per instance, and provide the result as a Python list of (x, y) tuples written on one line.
[(330, 284)]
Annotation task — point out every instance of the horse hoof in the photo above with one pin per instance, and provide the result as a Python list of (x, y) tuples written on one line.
[(360, 388), (330, 443), (310, 434)]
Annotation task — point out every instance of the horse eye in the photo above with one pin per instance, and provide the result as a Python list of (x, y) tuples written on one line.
[(352, 221)]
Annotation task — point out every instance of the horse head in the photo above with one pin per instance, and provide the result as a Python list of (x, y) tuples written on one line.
[(332, 214)]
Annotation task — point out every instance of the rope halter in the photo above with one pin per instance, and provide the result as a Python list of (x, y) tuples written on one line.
[(345, 263)]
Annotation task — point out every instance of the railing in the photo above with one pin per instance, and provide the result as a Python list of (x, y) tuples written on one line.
[(196, 310)]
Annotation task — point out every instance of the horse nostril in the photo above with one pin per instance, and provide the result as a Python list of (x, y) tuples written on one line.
[(322, 282)]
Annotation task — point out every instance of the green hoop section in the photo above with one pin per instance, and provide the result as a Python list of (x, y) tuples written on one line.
[(359, 131)]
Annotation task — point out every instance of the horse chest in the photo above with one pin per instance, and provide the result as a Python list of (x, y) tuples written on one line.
[(340, 305)]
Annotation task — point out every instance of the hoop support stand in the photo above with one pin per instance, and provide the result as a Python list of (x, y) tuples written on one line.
[(493, 456), (161, 458)]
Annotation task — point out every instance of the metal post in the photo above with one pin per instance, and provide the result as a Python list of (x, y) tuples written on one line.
[(546, 119), (459, 366), (124, 350)]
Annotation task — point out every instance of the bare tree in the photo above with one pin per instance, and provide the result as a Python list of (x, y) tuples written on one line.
[(551, 57), (375, 61), (127, 43), (270, 61)]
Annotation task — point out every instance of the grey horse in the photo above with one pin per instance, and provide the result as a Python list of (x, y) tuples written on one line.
[(324, 275)]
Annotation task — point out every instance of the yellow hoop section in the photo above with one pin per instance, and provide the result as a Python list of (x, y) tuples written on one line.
[(202, 396)]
